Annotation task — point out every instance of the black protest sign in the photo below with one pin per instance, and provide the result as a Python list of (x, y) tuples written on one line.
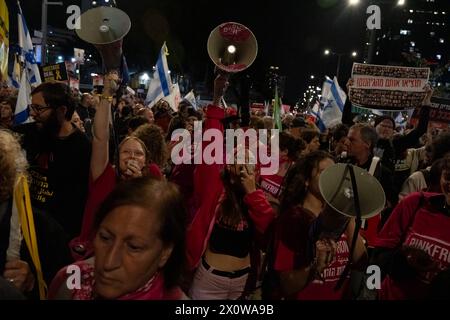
[(390, 88), (54, 72)]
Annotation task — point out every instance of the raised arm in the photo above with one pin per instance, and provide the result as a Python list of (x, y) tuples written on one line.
[(411, 139), (207, 183), (100, 141)]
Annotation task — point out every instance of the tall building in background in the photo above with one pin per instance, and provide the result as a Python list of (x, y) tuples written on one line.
[(416, 33)]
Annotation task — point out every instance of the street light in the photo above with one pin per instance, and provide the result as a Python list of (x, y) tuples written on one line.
[(328, 52), (401, 2), (353, 2)]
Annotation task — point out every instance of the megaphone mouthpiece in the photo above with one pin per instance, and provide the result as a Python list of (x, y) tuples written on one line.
[(104, 28), (231, 49)]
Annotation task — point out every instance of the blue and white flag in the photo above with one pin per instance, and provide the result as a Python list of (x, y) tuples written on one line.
[(190, 97), (316, 111), (15, 77), (333, 100), (161, 83), (26, 51), (30, 74), (23, 100)]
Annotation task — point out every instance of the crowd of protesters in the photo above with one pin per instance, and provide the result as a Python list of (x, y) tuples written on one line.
[(108, 200)]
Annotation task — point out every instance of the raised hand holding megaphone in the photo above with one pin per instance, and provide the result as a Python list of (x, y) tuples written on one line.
[(105, 28)]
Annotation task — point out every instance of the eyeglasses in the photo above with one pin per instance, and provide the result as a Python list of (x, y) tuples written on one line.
[(38, 108)]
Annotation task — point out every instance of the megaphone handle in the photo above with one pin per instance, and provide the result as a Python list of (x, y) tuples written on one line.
[(358, 224)]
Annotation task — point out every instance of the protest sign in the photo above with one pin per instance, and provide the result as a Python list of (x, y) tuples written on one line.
[(388, 87), (439, 114), (54, 72), (78, 55)]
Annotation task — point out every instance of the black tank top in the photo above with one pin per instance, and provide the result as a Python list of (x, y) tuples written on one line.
[(232, 241)]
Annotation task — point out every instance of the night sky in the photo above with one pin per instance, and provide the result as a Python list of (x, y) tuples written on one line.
[(291, 34)]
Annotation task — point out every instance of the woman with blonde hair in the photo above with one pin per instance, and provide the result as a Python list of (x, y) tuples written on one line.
[(17, 252)]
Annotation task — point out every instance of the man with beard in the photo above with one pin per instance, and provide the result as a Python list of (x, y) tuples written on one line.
[(58, 154)]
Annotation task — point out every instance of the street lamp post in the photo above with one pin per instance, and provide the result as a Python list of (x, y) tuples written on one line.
[(328, 52), (338, 69), (45, 5), (373, 32)]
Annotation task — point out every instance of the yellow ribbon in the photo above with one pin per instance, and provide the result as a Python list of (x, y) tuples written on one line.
[(23, 204)]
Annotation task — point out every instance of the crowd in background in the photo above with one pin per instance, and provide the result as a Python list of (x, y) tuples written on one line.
[(107, 198)]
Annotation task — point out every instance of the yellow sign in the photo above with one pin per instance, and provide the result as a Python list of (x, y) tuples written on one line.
[(4, 40)]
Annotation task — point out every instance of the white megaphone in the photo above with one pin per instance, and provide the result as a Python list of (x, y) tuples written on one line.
[(105, 28), (345, 198), (232, 47)]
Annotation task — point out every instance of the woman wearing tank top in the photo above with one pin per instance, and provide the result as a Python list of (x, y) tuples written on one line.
[(232, 213)]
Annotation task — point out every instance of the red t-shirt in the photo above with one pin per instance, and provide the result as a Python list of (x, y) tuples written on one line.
[(272, 185), (291, 253), (423, 227)]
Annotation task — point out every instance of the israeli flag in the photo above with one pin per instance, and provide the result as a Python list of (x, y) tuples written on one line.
[(26, 51), (316, 112), (161, 84), (23, 100), (333, 100), (15, 78), (190, 97)]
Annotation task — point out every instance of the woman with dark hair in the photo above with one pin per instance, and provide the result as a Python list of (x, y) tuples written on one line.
[(413, 246), (312, 140), (139, 247), (28, 268), (231, 214), (290, 149), (302, 274), (162, 114), (153, 138), (338, 137), (133, 161)]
